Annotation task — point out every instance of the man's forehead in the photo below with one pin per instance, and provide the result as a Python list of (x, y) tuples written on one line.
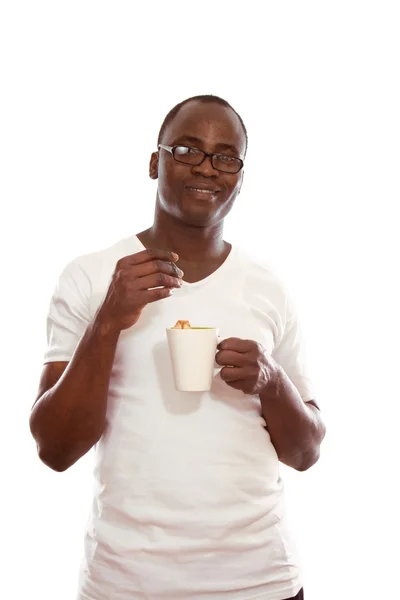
[(211, 122)]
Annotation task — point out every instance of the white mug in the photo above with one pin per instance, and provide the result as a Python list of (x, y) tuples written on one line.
[(192, 354)]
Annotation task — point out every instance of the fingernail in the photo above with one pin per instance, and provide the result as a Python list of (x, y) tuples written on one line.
[(180, 273), (174, 255)]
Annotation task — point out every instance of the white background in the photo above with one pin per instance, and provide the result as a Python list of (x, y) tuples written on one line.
[(84, 88)]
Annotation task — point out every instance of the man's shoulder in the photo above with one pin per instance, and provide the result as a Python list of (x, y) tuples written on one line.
[(262, 288), (95, 262), (255, 266)]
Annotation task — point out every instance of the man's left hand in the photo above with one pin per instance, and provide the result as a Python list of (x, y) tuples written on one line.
[(246, 365)]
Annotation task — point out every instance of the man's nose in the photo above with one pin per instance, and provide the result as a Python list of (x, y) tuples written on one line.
[(205, 168)]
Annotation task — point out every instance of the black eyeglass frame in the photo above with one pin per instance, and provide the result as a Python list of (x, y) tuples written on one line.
[(172, 149)]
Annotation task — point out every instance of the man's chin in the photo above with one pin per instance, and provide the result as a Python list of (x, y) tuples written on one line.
[(195, 217)]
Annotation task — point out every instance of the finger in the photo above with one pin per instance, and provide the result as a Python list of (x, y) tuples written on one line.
[(150, 296), (236, 344), (147, 255), (158, 280), (156, 266), (232, 373), (229, 357), (237, 385)]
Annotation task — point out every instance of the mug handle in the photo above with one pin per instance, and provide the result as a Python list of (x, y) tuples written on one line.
[(217, 371), (218, 368)]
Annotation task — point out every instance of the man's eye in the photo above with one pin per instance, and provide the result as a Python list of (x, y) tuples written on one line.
[(185, 150)]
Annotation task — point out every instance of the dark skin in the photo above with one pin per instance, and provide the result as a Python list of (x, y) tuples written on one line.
[(184, 223), (193, 228), (69, 414), (296, 428)]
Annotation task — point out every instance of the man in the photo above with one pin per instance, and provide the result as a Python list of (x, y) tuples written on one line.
[(189, 500)]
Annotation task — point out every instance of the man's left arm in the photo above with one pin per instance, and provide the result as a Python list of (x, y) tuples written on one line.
[(295, 427)]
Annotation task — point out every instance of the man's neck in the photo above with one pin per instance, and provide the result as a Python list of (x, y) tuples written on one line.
[(201, 250), (192, 244)]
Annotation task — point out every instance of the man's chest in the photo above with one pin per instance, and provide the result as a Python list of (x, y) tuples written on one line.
[(144, 347)]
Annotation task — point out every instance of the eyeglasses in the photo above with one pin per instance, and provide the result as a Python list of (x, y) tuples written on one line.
[(194, 157)]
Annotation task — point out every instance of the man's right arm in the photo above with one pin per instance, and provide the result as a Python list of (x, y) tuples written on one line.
[(69, 415)]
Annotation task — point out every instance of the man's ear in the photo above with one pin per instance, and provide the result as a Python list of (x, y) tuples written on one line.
[(153, 168), (241, 181)]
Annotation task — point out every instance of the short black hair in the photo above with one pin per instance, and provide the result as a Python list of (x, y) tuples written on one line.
[(207, 99)]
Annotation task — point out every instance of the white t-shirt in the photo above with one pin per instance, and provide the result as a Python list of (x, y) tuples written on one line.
[(188, 499)]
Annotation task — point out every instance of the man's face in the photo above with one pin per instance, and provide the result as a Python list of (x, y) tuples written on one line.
[(211, 128)]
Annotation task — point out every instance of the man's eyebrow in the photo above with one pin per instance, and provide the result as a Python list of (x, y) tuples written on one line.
[(194, 140), (188, 138), (228, 147)]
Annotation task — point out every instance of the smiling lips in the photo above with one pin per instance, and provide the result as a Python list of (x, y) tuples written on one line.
[(202, 191)]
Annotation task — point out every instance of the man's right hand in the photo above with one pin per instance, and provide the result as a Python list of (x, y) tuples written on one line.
[(131, 286)]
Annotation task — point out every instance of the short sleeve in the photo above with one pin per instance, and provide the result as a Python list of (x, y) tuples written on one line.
[(68, 314), (290, 354)]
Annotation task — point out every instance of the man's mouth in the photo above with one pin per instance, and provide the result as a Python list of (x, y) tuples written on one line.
[(202, 191)]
